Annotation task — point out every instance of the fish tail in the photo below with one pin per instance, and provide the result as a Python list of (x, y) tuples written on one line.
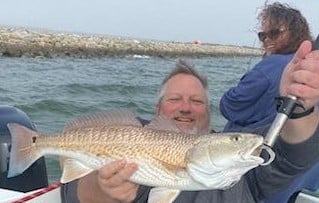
[(23, 152)]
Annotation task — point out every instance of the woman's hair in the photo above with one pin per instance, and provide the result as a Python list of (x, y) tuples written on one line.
[(277, 14)]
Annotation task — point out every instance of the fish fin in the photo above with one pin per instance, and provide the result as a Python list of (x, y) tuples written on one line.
[(162, 123), (105, 117), (22, 154), (61, 161), (162, 195), (73, 169)]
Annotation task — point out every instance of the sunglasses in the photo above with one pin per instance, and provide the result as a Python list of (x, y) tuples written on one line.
[(271, 34)]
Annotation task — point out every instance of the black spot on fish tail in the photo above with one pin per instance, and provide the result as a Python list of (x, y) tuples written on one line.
[(34, 139)]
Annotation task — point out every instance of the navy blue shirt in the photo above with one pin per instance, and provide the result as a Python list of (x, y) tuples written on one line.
[(252, 102), (309, 181)]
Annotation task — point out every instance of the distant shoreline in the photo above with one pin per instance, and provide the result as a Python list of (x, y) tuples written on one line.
[(22, 42)]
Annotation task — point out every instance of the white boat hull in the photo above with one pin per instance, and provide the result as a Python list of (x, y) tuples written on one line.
[(50, 194)]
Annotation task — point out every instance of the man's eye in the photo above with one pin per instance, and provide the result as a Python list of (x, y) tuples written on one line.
[(173, 99), (197, 101)]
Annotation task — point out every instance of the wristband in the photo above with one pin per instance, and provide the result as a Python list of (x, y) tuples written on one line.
[(302, 114), (286, 106)]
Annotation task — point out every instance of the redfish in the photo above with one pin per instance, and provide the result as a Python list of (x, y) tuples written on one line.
[(166, 157)]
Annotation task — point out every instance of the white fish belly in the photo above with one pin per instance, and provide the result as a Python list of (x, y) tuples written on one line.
[(157, 176)]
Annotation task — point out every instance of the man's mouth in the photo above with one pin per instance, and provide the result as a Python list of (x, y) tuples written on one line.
[(183, 119)]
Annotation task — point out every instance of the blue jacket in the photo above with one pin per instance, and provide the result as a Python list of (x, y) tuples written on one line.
[(252, 102)]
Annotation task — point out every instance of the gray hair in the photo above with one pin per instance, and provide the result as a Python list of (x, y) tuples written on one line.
[(184, 67)]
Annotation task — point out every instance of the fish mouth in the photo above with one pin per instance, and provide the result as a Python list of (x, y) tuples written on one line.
[(255, 148), (256, 151), (252, 153)]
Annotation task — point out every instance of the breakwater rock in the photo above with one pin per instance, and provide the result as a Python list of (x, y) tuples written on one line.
[(21, 42)]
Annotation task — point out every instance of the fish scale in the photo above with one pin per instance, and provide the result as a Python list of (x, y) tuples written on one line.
[(166, 157), (124, 142)]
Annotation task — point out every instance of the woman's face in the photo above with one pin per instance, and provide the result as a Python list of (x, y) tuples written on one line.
[(273, 37)]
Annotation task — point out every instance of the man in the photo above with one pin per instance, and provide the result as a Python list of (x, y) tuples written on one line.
[(184, 101)]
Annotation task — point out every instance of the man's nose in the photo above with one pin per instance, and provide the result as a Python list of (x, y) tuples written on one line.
[(185, 105)]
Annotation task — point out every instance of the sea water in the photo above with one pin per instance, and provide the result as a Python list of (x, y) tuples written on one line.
[(53, 91)]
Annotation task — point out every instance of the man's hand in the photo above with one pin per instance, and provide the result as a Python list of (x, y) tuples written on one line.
[(113, 180), (110, 184), (301, 77)]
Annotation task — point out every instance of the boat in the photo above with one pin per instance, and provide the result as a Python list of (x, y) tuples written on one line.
[(50, 194)]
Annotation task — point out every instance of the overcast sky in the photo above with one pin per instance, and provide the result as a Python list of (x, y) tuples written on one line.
[(219, 22)]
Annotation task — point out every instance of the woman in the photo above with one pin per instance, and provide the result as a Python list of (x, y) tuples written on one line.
[(252, 102), (283, 29)]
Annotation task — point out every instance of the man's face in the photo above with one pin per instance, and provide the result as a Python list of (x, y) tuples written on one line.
[(185, 103)]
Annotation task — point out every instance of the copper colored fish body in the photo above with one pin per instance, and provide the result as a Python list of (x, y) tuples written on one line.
[(166, 157), (123, 142)]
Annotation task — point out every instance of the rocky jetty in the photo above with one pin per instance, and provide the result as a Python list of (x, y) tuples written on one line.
[(21, 42)]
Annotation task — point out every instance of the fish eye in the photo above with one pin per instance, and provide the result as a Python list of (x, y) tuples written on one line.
[(236, 138)]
